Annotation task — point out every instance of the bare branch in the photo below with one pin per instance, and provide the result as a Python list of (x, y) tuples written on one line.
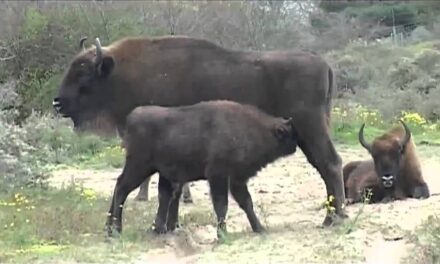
[(8, 58), (7, 51)]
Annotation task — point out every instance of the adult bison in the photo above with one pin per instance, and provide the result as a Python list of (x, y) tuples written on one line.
[(223, 142), (177, 70), (393, 173)]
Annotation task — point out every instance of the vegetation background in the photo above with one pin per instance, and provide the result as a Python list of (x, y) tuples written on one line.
[(386, 57)]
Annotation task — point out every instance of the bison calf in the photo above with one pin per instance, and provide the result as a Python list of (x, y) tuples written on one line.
[(223, 142), (393, 173)]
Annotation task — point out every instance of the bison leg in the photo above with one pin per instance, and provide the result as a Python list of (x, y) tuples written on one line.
[(109, 222), (241, 194), (353, 193), (129, 180), (218, 185), (173, 210), (187, 197), (316, 144), (420, 191), (165, 197), (143, 190)]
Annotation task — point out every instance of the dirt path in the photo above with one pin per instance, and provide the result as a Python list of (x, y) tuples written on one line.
[(287, 195)]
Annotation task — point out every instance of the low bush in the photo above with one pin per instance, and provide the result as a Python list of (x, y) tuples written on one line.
[(30, 150), (348, 118), (37, 223), (390, 78), (427, 240)]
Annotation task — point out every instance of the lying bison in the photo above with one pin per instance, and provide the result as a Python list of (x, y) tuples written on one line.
[(223, 142), (176, 71), (393, 173)]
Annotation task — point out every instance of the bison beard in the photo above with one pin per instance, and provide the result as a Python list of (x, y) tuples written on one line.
[(393, 173), (176, 71), (223, 142)]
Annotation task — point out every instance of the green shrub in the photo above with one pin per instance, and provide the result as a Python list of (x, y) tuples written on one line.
[(420, 34), (402, 73), (36, 223), (17, 164), (427, 60), (29, 150), (427, 240), (34, 24), (390, 78), (430, 108), (352, 73), (38, 91), (348, 118)]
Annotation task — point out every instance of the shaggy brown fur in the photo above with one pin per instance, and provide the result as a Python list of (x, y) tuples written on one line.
[(176, 71), (223, 142), (393, 173)]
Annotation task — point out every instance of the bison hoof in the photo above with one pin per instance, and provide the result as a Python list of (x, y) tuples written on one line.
[(259, 230), (112, 231), (162, 229), (108, 230), (221, 230), (172, 227), (221, 234), (334, 219)]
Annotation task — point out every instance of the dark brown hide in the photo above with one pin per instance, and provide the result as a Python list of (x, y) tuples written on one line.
[(223, 142), (175, 71), (393, 159)]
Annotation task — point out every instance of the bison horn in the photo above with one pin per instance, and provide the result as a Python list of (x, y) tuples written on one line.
[(98, 50), (288, 121), (362, 139), (405, 139), (81, 43)]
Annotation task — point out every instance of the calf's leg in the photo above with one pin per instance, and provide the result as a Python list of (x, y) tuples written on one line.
[(109, 222), (143, 189), (241, 194), (173, 210), (165, 198), (315, 142), (129, 180), (218, 185)]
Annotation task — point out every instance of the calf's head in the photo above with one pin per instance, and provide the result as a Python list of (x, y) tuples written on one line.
[(387, 152), (287, 136), (82, 91)]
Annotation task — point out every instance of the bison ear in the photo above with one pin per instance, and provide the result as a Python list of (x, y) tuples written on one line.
[(280, 132), (401, 149), (283, 131), (105, 66), (288, 122)]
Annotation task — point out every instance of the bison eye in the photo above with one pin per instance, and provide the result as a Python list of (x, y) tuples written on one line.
[(84, 90)]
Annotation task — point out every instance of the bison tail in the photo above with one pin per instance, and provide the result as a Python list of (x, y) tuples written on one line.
[(328, 106)]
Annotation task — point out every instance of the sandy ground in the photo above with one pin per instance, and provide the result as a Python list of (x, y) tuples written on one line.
[(287, 195)]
